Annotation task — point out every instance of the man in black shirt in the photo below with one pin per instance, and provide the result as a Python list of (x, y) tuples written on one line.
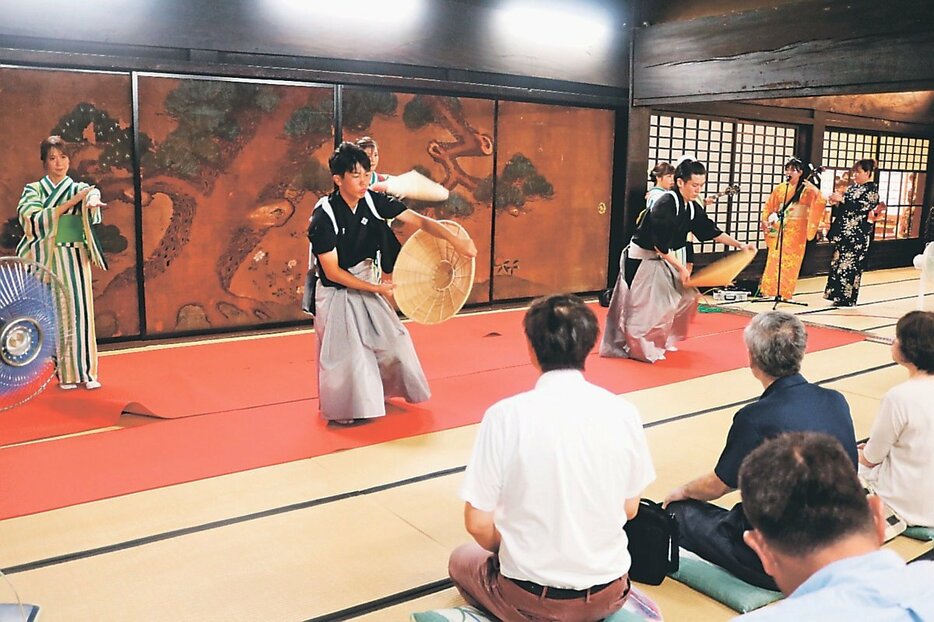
[(651, 304), (365, 354)]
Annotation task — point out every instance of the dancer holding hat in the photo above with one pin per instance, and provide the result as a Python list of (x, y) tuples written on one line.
[(651, 304), (365, 354)]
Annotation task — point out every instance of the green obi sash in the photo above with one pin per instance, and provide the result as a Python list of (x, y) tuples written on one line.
[(70, 230)]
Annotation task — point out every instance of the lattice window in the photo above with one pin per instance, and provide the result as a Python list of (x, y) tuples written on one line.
[(842, 149), (901, 174), (762, 151), (903, 153), (749, 154)]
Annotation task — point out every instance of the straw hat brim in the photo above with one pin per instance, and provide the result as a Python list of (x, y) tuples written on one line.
[(723, 271), (432, 280)]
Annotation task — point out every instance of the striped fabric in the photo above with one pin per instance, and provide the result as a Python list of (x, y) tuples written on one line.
[(71, 262)]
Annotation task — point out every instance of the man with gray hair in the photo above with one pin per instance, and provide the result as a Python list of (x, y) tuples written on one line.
[(776, 342)]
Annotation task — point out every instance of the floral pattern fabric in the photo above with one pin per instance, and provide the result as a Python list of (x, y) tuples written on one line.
[(788, 230), (851, 233)]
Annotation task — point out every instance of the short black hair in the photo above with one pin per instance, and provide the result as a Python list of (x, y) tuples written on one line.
[(53, 142), (915, 334), (801, 492), (795, 163), (688, 168), (346, 157), (562, 331), (868, 165)]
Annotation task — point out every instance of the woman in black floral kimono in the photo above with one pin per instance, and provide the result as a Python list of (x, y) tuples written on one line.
[(851, 231)]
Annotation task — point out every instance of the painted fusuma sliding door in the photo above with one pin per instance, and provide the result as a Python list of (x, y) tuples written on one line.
[(553, 184), (447, 139), (229, 179), (92, 111)]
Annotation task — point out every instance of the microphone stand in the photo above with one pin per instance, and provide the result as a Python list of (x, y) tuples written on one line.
[(777, 298)]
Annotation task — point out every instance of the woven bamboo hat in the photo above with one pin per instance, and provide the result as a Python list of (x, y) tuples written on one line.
[(432, 280), (723, 271), (414, 185)]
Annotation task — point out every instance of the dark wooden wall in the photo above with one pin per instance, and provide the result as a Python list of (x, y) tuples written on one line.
[(815, 47), (454, 44), (716, 57)]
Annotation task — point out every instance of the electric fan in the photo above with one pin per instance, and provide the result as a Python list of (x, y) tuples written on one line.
[(925, 263), (34, 329)]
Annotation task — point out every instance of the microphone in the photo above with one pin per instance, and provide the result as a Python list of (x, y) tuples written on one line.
[(787, 177)]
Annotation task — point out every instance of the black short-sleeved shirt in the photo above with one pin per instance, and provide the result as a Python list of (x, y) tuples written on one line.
[(359, 233), (667, 223), (790, 404)]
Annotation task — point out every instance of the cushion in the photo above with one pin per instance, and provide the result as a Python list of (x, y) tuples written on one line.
[(458, 614), (13, 612), (720, 585), (919, 533), (638, 608)]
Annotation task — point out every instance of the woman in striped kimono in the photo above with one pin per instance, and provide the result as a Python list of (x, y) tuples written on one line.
[(56, 214)]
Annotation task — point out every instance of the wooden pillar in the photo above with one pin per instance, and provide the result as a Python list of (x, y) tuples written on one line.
[(629, 182)]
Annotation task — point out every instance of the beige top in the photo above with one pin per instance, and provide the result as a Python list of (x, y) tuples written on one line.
[(902, 442)]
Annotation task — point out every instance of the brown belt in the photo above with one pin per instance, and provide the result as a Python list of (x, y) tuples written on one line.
[(563, 593)]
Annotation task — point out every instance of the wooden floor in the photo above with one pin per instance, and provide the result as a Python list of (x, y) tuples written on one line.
[(365, 534)]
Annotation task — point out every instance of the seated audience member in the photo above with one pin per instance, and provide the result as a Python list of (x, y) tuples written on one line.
[(776, 342), (555, 473), (898, 459), (819, 535)]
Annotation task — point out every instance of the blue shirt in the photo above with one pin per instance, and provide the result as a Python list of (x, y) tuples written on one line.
[(876, 587), (790, 404)]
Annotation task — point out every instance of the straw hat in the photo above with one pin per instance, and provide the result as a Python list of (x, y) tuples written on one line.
[(723, 271), (414, 185), (432, 280)]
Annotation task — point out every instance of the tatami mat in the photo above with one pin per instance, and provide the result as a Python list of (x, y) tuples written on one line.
[(885, 296), (354, 527)]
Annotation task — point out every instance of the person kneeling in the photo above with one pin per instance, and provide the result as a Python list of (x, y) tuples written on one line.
[(776, 342), (555, 474)]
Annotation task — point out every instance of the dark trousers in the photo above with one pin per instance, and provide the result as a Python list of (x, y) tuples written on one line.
[(629, 271), (716, 535)]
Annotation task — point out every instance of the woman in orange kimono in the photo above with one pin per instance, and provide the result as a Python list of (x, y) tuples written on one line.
[(789, 219)]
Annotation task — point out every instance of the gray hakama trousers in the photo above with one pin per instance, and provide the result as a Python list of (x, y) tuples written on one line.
[(652, 315), (365, 354)]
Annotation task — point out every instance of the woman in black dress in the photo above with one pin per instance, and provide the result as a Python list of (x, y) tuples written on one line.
[(851, 232)]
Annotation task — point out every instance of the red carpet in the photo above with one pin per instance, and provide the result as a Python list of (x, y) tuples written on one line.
[(55, 412), (256, 405), (219, 377)]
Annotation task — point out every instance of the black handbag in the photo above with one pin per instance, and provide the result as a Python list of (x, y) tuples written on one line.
[(653, 543)]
